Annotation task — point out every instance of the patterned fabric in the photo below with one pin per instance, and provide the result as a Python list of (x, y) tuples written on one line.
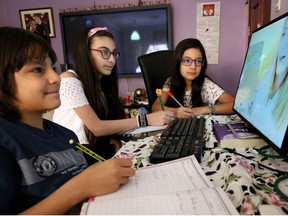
[(210, 92), (246, 176), (72, 96)]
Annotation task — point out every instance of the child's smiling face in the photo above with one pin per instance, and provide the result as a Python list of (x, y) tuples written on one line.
[(37, 87)]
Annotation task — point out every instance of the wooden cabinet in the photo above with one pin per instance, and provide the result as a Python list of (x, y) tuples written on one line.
[(259, 14)]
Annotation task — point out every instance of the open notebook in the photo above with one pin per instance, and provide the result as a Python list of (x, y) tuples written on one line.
[(175, 187)]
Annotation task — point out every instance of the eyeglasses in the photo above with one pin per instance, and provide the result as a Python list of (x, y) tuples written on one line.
[(106, 53), (188, 61)]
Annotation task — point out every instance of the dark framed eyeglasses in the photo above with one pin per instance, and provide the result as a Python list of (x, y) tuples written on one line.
[(188, 61), (107, 53)]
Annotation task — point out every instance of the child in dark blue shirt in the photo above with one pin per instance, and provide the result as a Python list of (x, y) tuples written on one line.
[(40, 172)]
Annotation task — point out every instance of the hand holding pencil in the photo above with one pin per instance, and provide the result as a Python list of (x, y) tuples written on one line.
[(182, 112), (105, 177), (102, 178)]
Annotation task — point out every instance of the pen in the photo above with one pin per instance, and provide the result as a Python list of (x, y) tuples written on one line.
[(87, 151), (159, 93), (171, 95)]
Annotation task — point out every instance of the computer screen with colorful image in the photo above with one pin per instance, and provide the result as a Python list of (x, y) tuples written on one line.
[(262, 93)]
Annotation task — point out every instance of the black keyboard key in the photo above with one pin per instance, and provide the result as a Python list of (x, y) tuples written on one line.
[(181, 138), (159, 154), (174, 150), (200, 131)]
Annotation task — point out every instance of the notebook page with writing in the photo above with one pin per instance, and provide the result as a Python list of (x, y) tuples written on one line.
[(180, 183), (207, 201), (171, 176)]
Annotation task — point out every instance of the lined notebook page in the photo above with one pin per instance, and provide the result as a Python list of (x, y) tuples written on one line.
[(207, 201), (176, 187)]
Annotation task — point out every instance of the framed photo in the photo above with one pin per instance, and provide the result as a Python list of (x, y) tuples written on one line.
[(208, 9), (38, 20)]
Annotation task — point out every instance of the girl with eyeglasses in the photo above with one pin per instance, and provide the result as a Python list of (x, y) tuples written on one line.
[(194, 91), (90, 102)]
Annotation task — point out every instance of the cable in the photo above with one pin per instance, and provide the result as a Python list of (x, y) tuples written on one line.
[(261, 152), (279, 181), (260, 164), (277, 186)]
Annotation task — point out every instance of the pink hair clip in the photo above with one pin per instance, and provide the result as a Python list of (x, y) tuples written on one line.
[(94, 30)]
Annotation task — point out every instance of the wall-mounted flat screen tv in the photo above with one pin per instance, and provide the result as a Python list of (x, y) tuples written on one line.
[(153, 24)]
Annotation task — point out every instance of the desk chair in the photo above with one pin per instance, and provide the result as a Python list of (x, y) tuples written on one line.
[(155, 68)]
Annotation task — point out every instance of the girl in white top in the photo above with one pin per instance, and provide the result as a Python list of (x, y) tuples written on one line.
[(90, 104), (197, 94)]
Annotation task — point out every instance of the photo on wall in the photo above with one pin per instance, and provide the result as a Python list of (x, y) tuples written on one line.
[(39, 21)]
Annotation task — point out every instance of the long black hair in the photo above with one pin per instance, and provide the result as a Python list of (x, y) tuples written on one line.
[(178, 82), (101, 91), (18, 47)]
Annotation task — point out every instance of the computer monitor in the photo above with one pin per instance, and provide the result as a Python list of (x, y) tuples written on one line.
[(262, 94)]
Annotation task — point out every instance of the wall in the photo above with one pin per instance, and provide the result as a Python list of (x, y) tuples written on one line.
[(283, 8), (233, 33), (2, 15)]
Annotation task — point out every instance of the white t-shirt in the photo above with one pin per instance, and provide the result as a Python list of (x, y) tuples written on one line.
[(72, 96), (210, 92)]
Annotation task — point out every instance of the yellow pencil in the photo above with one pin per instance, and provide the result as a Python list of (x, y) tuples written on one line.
[(87, 151)]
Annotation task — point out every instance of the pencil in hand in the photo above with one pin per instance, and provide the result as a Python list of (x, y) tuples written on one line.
[(86, 150), (172, 96), (159, 93)]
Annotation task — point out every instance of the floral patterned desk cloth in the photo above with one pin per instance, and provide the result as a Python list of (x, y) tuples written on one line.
[(246, 176)]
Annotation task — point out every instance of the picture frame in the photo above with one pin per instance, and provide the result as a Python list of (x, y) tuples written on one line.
[(41, 16)]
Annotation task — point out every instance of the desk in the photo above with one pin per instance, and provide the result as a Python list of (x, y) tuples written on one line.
[(247, 183)]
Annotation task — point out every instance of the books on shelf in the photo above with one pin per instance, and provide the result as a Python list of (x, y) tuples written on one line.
[(176, 187), (235, 135)]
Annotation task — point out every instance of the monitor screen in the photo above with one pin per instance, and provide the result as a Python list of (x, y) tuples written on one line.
[(262, 94), (152, 23)]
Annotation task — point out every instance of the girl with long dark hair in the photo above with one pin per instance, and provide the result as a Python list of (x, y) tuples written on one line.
[(197, 94), (90, 102)]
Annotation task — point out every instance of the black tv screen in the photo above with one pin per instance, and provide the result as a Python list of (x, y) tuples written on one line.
[(153, 24)]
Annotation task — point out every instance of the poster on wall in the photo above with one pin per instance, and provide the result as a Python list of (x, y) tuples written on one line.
[(208, 27)]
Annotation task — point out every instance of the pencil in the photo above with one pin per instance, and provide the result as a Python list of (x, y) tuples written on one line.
[(172, 96), (161, 103), (159, 93), (87, 151)]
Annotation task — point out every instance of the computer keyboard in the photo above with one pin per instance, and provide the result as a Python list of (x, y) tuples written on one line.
[(181, 138)]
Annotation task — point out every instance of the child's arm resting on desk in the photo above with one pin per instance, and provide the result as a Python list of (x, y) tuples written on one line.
[(179, 112), (223, 105), (98, 179)]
